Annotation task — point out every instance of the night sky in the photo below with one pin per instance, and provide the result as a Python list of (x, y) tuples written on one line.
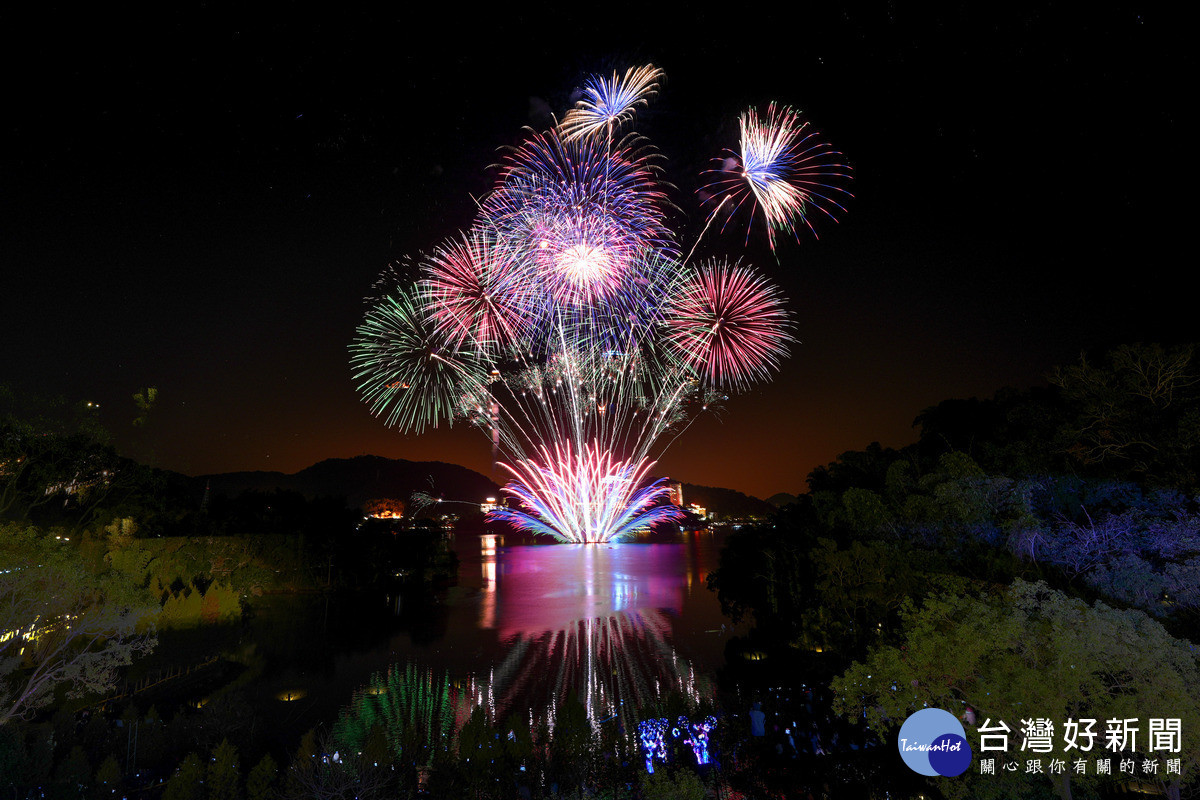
[(198, 200)]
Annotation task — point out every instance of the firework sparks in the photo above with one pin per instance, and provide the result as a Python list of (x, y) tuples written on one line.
[(478, 293), (585, 497), (566, 325), (610, 102), (406, 368), (582, 213), (728, 324), (783, 171)]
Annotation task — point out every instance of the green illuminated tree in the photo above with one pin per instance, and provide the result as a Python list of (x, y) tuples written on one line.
[(224, 776), (73, 773), (188, 781), (61, 624), (1029, 651), (260, 783), (108, 777)]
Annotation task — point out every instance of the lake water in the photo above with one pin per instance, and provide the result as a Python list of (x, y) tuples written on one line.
[(627, 629), (621, 626)]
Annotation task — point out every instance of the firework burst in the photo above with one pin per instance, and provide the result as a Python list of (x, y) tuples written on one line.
[(479, 294), (782, 171), (407, 369), (566, 325), (585, 497), (728, 324), (580, 212), (610, 102)]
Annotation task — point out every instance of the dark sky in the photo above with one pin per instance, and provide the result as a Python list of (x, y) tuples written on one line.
[(198, 200)]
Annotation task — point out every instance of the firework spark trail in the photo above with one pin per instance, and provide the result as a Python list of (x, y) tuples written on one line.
[(478, 294), (407, 369), (610, 102), (565, 324), (585, 497), (782, 172), (728, 324)]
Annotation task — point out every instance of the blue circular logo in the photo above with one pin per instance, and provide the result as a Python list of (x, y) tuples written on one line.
[(932, 742)]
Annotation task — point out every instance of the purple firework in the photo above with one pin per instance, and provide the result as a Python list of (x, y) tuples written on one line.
[(583, 212)]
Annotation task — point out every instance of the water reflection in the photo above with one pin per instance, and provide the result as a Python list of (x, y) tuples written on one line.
[(409, 713), (596, 622), (592, 620)]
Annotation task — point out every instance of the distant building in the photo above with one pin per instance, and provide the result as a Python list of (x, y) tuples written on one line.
[(700, 511), (490, 504), (384, 508), (675, 493)]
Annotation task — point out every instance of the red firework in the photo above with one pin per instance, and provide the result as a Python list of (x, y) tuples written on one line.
[(728, 324), (478, 294)]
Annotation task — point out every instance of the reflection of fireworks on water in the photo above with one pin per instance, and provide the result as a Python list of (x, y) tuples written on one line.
[(593, 622), (566, 325), (418, 713), (617, 664), (596, 621)]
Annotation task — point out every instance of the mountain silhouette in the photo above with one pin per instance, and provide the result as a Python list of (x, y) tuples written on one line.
[(363, 478)]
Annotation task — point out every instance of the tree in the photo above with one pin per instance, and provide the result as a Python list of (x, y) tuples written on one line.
[(188, 781), (224, 777), (321, 771), (108, 777), (61, 624), (768, 571), (1137, 414), (73, 773), (1028, 651), (144, 400), (682, 785), (260, 783)]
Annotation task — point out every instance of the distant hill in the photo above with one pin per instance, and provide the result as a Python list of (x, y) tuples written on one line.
[(361, 479), (782, 499), (366, 478), (726, 502)]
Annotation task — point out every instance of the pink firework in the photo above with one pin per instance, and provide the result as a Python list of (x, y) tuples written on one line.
[(584, 496), (727, 324), (582, 256), (477, 293), (783, 171), (582, 210)]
